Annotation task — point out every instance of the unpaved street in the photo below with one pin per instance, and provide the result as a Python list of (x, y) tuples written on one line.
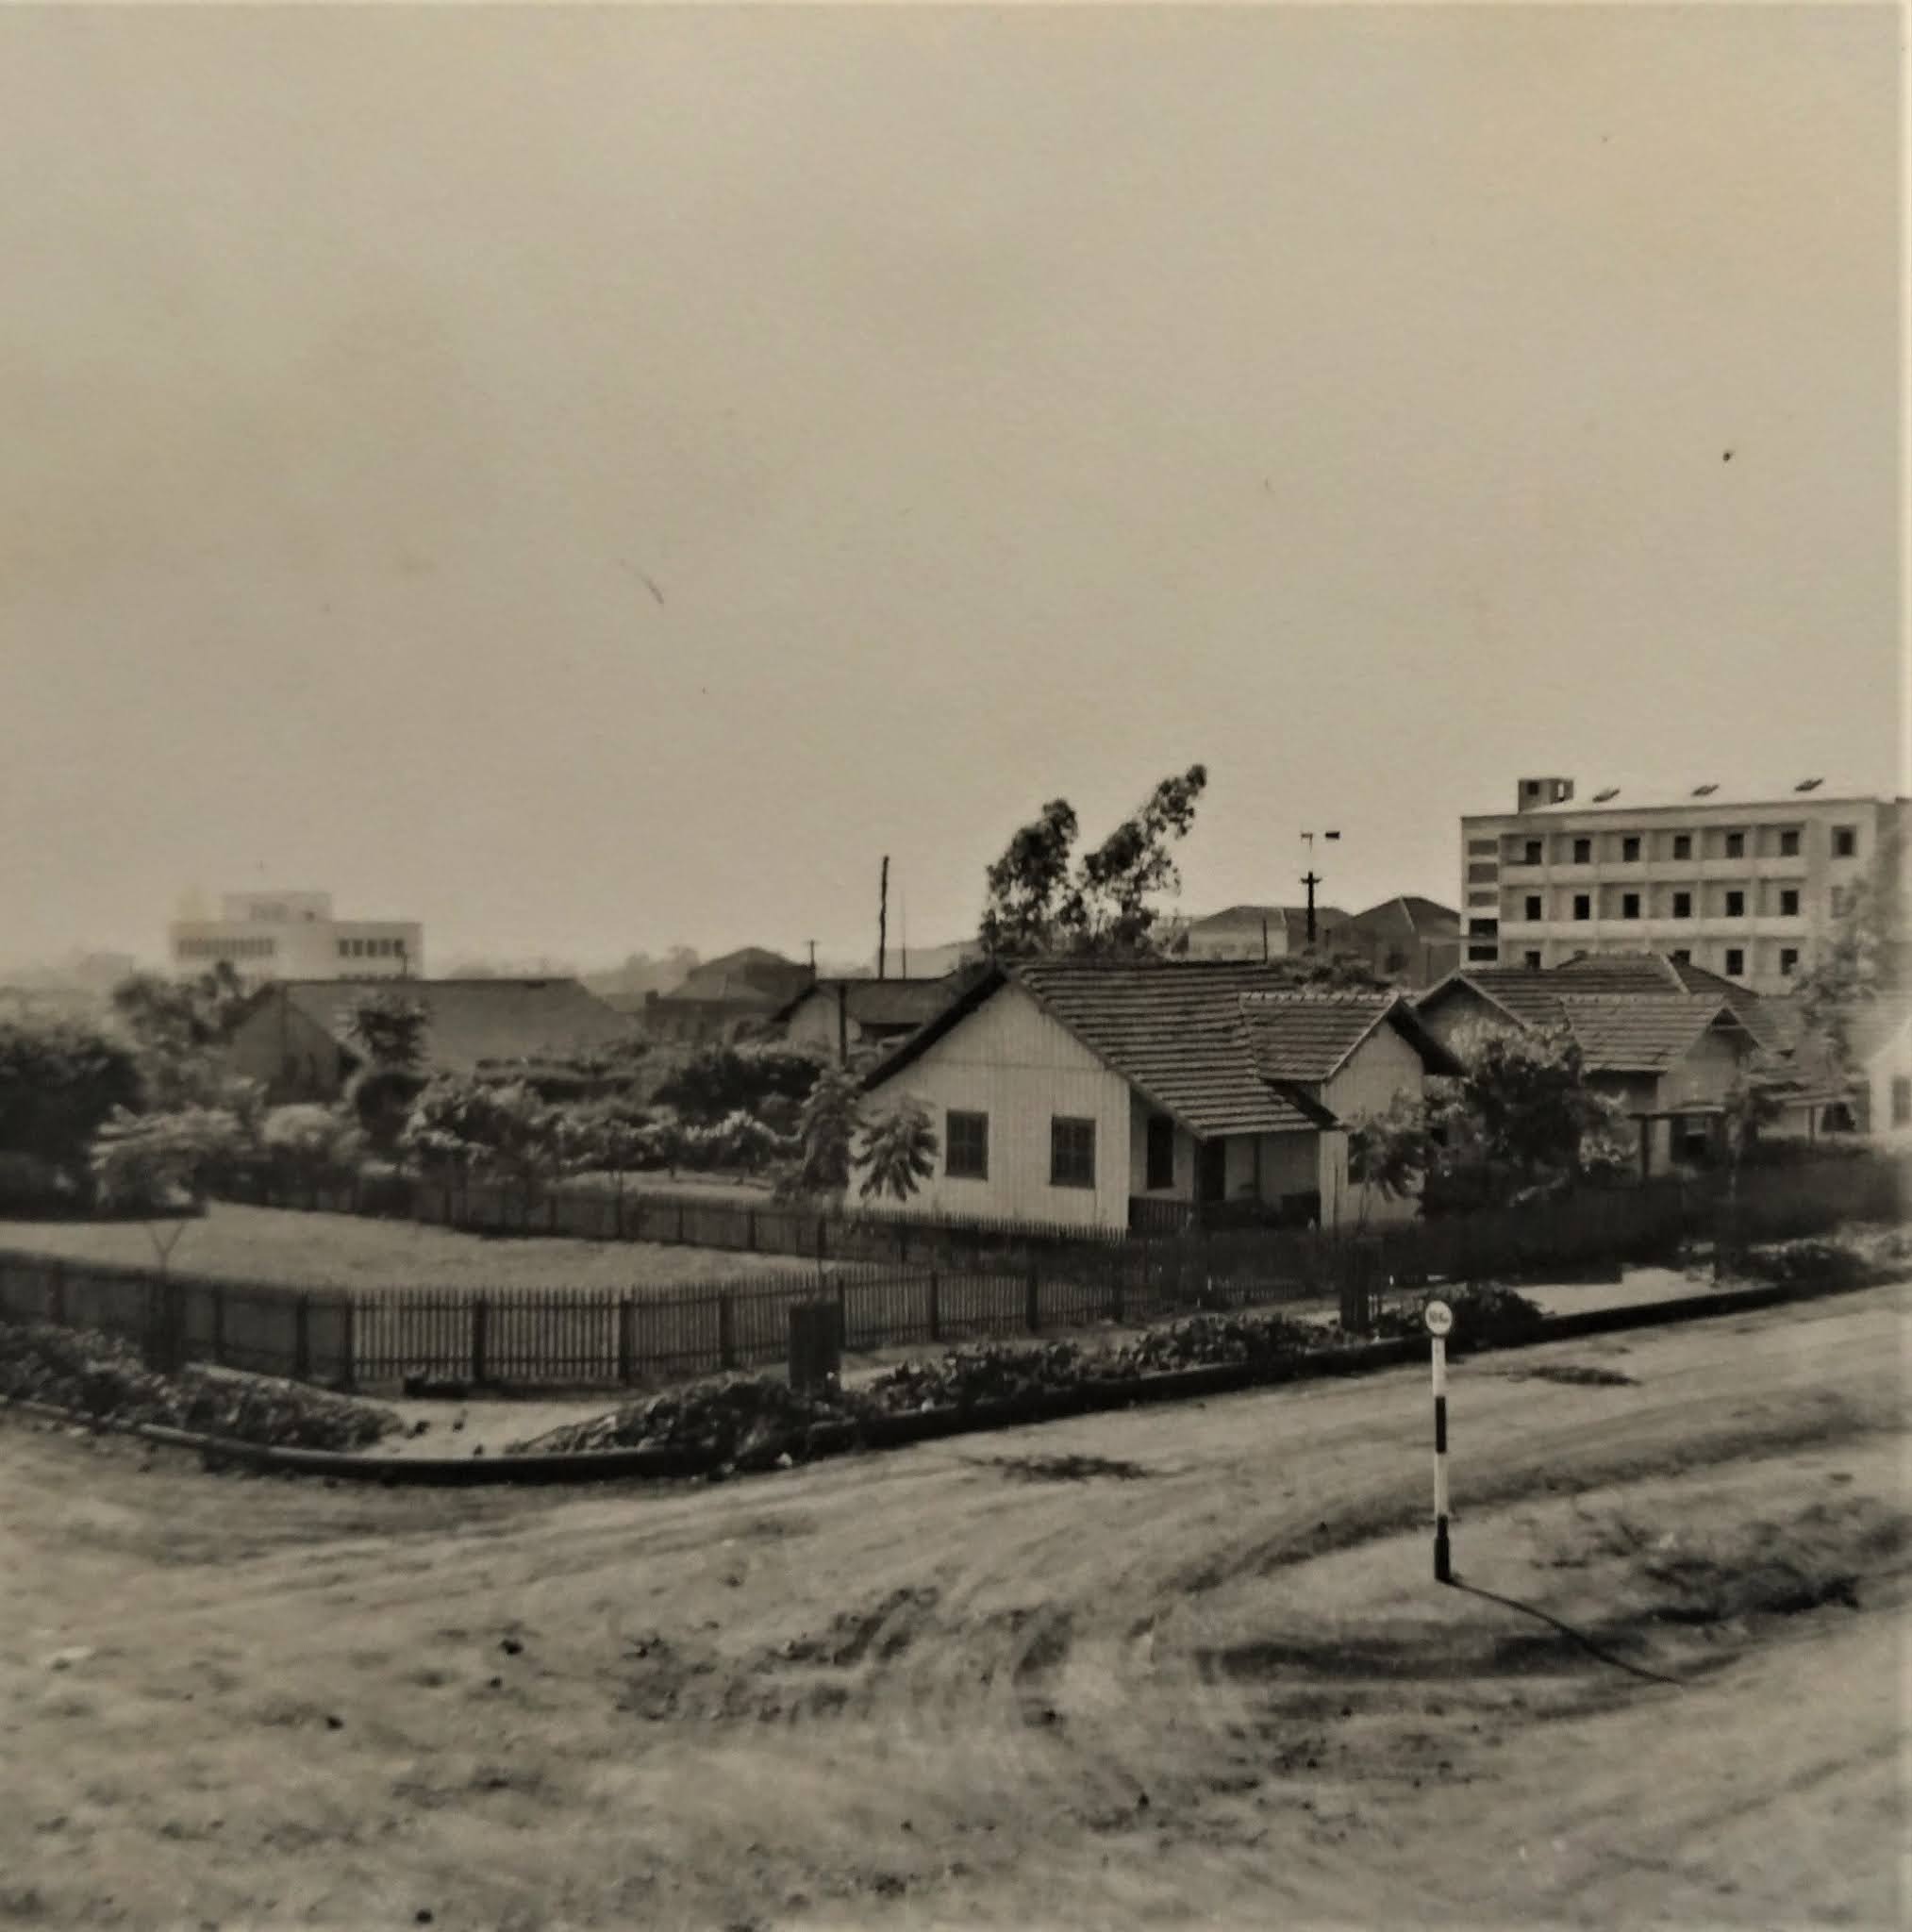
[(1181, 1665)]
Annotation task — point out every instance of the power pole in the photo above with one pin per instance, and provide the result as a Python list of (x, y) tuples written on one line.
[(1310, 881), (883, 921), (812, 944)]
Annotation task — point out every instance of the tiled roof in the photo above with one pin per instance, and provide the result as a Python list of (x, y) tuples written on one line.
[(1295, 1037), (1630, 1034), (470, 1021), (1525, 996), (1176, 1032), (750, 977), (1649, 972), (887, 1001)]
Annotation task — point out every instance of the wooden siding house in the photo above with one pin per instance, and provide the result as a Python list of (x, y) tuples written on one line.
[(845, 1019), (1112, 1095)]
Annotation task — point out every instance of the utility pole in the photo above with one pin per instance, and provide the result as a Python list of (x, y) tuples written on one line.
[(883, 921), (812, 944), (1310, 879)]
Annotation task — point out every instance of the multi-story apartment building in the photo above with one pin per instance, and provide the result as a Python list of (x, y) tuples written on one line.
[(294, 936), (1746, 883)]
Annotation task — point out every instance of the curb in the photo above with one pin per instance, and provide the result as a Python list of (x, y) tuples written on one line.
[(922, 1426)]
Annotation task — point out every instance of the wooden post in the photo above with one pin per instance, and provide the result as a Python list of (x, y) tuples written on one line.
[(481, 1326), (302, 1338), (348, 1346), (726, 1339), (935, 1311), (1120, 1258), (628, 1341), (1034, 1303)]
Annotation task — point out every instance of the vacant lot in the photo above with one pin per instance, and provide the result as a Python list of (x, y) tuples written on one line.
[(1172, 1667), (280, 1244)]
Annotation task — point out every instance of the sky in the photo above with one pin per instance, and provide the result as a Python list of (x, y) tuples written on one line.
[(595, 480)]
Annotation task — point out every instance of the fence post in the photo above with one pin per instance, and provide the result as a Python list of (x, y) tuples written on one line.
[(481, 1335), (218, 1295), (628, 1341), (348, 1342), (1115, 1300), (302, 1338), (934, 1309), (726, 1339), (1034, 1309)]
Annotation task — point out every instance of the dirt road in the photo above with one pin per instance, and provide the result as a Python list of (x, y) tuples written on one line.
[(1176, 1666)]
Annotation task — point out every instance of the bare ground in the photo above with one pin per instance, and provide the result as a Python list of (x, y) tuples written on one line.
[(1175, 1666)]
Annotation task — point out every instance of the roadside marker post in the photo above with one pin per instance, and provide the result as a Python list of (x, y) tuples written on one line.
[(1439, 1320)]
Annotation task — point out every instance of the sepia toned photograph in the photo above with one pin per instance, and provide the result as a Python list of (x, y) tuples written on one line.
[(956, 966)]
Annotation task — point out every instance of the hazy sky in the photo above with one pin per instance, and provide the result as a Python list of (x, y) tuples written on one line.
[(1001, 404)]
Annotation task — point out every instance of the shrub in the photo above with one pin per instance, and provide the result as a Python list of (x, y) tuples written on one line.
[(1484, 1314), (1810, 1264)]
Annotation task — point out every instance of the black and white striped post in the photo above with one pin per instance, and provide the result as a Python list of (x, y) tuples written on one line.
[(1439, 1320)]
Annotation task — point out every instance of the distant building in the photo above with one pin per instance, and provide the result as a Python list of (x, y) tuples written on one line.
[(1255, 932), (295, 935), (1408, 939), (840, 1018), (1747, 883), (296, 1037), (722, 997)]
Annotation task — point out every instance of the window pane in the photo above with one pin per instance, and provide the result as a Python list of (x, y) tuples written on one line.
[(1072, 1152), (1161, 1163), (967, 1140)]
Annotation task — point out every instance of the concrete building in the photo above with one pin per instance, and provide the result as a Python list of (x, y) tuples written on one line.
[(1747, 883), (1094, 1094), (296, 936)]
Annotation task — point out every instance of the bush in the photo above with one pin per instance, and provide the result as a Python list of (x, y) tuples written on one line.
[(1810, 1264), (103, 1376), (1485, 1315)]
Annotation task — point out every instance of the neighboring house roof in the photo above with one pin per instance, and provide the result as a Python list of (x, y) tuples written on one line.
[(1668, 797), (1407, 912), (469, 1022), (1626, 1033), (752, 977), (1523, 997), (1309, 1037), (1244, 922), (1649, 972), (1189, 1036), (884, 1002)]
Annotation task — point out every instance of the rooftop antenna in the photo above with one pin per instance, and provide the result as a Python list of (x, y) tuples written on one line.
[(883, 921), (903, 923)]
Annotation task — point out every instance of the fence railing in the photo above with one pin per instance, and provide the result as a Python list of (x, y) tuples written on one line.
[(606, 1337)]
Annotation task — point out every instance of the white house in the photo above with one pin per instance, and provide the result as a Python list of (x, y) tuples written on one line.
[(1113, 1094)]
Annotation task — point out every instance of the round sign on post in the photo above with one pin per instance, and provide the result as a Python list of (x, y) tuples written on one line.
[(1438, 1317)]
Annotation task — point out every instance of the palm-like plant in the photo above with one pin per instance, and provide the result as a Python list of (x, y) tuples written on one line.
[(897, 1152)]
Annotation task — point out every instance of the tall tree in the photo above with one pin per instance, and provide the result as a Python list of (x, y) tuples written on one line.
[(390, 1030), (1041, 898), (59, 1081), (177, 1028)]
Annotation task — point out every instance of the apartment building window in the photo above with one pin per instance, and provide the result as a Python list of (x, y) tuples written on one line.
[(1683, 904), (1684, 956), (1533, 906), (1531, 960), (1736, 845), (1484, 955), (1789, 843), (1482, 871), (1532, 855), (1735, 905), (1161, 1171), (1483, 848), (1902, 1101), (1483, 928), (1789, 903), (1845, 842), (1583, 906), (1835, 902), (1072, 1152), (1583, 851), (1789, 960), (1629, 906), (344, 949), (1629, 849), (967, 1137), (1683, 845), (1736, 963)]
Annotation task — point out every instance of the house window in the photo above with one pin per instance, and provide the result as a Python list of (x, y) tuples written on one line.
[(1845, 842), (1683, 904), (1735, 905), (1789, 843), (1072, 1152), (1532, 856), (1629, 848), (1533, 906), (1583, 906), (1736, 845), (1629, 906), (1902, 1100), (966, 1137), (1789, 959), (1583, 851), (1789, 903), (1736, 963), (1162, 1169), (1533, 959), (1683, 845)]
